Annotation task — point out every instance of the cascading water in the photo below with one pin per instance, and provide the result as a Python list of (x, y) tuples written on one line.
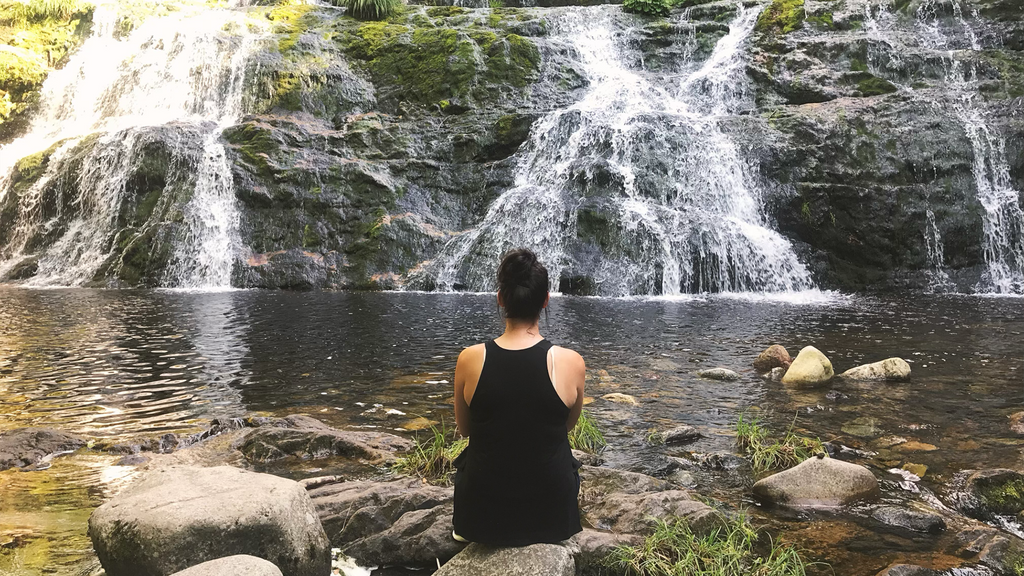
[(676, 205), (183, 74)]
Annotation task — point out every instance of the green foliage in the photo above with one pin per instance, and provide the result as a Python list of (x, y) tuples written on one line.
[(766, 453), (875, 86), (654, 437), (433, 458), (586, 436), (823, 20), (496, 4), (310, 239), (647, 7), (735, 549), (371, 9), (782, 16), (40, 10), (858, 65)]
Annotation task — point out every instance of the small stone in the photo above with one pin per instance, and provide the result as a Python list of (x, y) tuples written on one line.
[(620, 398), (683, 434), (775, 356), (915, 446), (810, 368), (1017, 423), (237, 565), (891, 369), (918, 470), (723, 374)]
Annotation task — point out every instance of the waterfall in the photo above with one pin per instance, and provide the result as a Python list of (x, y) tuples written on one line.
[(183, 74), (647, 157)]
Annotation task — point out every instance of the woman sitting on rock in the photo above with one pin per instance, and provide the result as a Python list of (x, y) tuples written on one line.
[(516, 398)]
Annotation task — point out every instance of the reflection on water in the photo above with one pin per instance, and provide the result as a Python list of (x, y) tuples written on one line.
[(131, 363)]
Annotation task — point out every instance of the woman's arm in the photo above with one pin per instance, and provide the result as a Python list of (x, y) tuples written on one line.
[(467, 374), (572, 371)]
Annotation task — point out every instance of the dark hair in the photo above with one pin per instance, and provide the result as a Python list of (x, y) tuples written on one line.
[(522, 284)]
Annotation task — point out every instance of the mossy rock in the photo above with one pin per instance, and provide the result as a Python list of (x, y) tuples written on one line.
[(998, 491), (781, 17), (867, 84)]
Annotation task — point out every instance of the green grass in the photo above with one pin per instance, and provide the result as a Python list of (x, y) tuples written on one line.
[(433, 458), (767, 453), (371, 9), (586, 436), (735, 549), (655, 438), (37, 10)]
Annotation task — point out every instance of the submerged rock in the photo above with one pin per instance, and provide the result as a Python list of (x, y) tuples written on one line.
[(535, 560), (719, 374), (818, 482), (620, 398), (28, 447), (914, 520), (892, 369), (305, 437), (775, 356), (178, 517), (810, 368), (238, 565)]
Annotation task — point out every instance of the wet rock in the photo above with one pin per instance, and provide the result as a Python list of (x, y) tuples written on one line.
[(177, 517), (997, 550), (723, 374), (237, 565), (654, 464), (587, 459), (620, 398), (915, 446), (995, 491), (132, 460), (918, 470), (713, 461), (908, 570), (419, 538), (593, 546), (596, 483), (636, 513), (776, 374), (892, 369), (917, 521), (27, 447), (535, 560), (305, 437), (1017, 422), (775, 356), (810, 368), (683, 434), (818, 482)]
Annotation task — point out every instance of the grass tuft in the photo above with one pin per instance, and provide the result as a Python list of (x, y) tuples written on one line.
[(586, 436), (371, 9), (433, 458), (735, 549), (39, 10), (766, 453)]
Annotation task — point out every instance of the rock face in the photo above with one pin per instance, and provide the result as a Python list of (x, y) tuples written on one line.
[(995, 491), (719, 374), (818, 482), (178, 517), (535, 560), (238, 565), (775, 356), (305, 437), (27, 447), (810, 368), (892, 369)]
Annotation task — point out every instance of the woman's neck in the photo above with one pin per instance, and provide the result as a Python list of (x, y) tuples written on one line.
[(520, 334)]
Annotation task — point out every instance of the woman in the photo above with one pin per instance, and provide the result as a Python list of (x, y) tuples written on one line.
[(516, 398)]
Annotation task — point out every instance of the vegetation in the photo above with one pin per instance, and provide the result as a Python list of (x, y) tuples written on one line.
[(782, 17), (766, 453), (371, 9), (735, 549), (648, 7), (586, 436), (433, 458)]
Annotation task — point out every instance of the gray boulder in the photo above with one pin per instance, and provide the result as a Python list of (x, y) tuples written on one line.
[(818, 482), (30, 447), (418, 538), (306, 438), (719, 374), (810, 368), (913, 520), (596, 483), (238, 565), (637, 513), (535, 560), (177, 517), (593, 546), (892, 369)]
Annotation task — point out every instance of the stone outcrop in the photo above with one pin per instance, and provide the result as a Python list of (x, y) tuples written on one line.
[(238, 565), (535, 560), (810, 368), (306, 437), (177, 517), (32, 447), (775, 356), (892, 369), (818, 483)]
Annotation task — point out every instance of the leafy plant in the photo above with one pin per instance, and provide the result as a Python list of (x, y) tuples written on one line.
[(734, 549), (371, 9), (766, 453), (647, 7), (586, 436), (496, 4), (433, 458)]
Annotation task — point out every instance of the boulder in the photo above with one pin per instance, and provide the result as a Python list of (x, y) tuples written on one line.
[(774, 356), (719, 374), (419, 538), (535, 560), (818, 482), (238, 565), (683, 434), (995, 491), (892, 369), (1017, 423), (596, 483), (593, 546), (810, 368), (177, 517), (305, 437), (913, 520), (29, 447), (636, 513)]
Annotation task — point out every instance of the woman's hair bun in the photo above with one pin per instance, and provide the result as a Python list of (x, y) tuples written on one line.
[(522, 284)]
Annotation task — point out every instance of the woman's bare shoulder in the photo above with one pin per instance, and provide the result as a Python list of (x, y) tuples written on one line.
[(570, 356), (472, 353)]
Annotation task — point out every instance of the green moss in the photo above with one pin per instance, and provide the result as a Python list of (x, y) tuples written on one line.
[(823, 20), (875, 86), (858, 65), (445, 11), (290, 22), (310, 239), (255, 145), (782, 17), (1003, 498), (647, 7), (1010, 69)]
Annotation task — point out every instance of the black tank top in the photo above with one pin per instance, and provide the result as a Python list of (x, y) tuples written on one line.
[(517, 481)]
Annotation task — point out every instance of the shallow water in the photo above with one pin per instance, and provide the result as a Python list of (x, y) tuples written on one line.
[(128, 363)]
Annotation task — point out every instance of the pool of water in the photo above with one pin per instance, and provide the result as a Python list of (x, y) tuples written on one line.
[(124, 364)]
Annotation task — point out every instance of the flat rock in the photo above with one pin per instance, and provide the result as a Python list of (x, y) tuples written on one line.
[(238, 565), (775, 356), (308, 438), (683, 434), (596, 483), (891, 369), (177, 517), (718, 374), (620, 398), (636, 513), (1017, 423), (913, 520), (818, 482), (419, 538), (535, 560), (810, 368), (28, 447)]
